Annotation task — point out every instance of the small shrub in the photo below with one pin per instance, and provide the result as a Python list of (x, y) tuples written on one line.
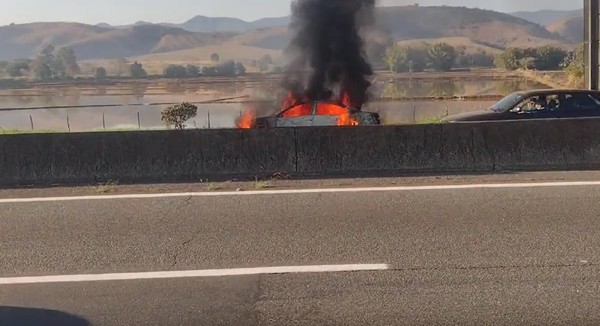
[(261, 185), (107, 187), (213, 187), (178, 114), (433, 120)]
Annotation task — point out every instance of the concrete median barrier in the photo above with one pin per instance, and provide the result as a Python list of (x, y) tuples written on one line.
[(163, 156), (143, 156), (424, 148)]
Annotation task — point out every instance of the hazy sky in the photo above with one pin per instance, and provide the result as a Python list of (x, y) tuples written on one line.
[(178, 11)]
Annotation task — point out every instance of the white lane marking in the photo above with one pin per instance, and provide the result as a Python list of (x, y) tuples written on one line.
[(194, 274), (302, 191)]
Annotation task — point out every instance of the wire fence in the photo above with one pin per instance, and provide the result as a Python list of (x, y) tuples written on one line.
[(223, 116)]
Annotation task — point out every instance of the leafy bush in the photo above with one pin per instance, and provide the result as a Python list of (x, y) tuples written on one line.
[(543, 58), (192, 71), (100, 73), (405, 59), (177, 115), (442, 56), (136, 70), (175, 71), (574, 64)]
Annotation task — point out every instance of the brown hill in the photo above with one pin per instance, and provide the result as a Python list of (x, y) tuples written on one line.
[(140, 40), (571, 28), (273, 38), (486, 28), (94, 42), (482, 27), (26, 40)]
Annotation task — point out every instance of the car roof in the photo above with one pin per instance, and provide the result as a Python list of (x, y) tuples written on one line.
[(556, 91)]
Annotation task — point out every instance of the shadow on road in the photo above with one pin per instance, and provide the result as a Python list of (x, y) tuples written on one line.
[(16, 316)]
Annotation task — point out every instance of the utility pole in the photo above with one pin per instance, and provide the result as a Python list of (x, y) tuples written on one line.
[(592, 43)]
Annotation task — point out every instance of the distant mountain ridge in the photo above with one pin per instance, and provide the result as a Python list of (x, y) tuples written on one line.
[(571, 28), (547, 17), (568, 24), (204, 24), (96, 42), (269, 35)]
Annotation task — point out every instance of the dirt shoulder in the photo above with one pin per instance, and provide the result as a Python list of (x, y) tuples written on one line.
[(280, 183)]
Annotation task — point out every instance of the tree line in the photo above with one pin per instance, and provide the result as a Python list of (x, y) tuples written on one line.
[(444, 57), (51, 64), (48, 64), (227, 69), (542, 58), (438, 57)]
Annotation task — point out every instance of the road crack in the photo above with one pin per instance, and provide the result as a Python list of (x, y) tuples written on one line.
[(182, 247)]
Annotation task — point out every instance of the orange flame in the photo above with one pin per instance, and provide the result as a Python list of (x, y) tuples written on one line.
[(346, 100), (247, 120), (291, 109), (298, 111), (323, 108), (289, 101), (346, 120)]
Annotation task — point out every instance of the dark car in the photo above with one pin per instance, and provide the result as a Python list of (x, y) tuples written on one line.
[(538, 104)]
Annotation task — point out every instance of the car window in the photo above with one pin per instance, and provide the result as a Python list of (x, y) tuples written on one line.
[(582, 101), (539, 104), (506, 103)]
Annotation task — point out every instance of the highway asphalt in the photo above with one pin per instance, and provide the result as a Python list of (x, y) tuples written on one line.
[(503, 256)]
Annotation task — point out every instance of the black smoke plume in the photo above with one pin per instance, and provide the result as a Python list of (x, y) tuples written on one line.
[(327, 50)]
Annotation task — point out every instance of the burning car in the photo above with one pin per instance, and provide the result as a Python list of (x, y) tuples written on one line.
[(317, 113), (328, 76)]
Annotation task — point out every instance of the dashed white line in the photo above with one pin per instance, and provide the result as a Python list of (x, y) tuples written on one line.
[(193, 274), (301, 191)]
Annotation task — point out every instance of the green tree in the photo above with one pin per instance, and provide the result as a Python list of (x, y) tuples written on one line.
[(574, 65), (215, 57), (136, 70), (404, 59), (393, 58), (192, 71), (66, 60), (480, 59), (47, 54), (42, 66), (178, 114), (100, 73), (17, 68), (41, 71), (442, 56), (549, 57), (209, 71), (509, 59), (175, 71), (527, 63), (416, 59), (226, 69)]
